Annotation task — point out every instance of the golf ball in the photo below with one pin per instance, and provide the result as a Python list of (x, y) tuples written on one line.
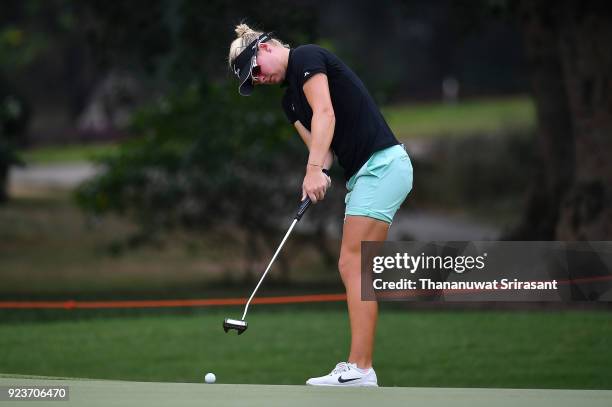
[(210, 378)]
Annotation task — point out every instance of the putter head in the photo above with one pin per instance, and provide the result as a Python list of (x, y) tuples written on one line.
[(237, 324)]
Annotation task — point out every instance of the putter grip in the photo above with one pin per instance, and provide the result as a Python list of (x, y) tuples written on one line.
[(306, 203)]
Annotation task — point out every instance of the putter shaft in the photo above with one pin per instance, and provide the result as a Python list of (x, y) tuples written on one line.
[(246, 308)]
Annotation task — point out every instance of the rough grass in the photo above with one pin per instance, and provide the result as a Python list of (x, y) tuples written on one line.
[(49, 247), (481, 116), (67, 153)]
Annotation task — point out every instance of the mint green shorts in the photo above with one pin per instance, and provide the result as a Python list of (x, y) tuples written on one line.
[(380, 186)]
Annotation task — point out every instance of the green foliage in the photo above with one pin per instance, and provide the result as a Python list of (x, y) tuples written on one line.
[(182, 40), (17, 48), (33, 29), (204, 155)]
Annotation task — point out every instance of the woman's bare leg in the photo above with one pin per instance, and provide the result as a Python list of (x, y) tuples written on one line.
[(362, 314)]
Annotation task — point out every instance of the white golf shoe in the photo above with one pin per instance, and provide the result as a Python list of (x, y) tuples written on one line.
[(346, 374)]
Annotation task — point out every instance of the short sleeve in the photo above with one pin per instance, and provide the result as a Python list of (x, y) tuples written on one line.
[(311, 60), (289, 108)]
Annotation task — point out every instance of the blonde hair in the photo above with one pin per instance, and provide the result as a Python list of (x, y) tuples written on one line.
[(246, 35)]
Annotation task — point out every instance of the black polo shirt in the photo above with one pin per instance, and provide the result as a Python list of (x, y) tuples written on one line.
[(360, 127)]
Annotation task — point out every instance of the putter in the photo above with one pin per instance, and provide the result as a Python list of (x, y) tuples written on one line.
[(241, 325)]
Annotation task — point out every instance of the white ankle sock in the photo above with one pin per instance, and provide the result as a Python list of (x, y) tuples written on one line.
[(359, 369)]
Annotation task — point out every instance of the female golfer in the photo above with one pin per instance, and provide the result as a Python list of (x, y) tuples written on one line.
[(334, 114)]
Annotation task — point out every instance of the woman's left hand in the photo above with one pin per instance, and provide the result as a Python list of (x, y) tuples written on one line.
[(315, 184)]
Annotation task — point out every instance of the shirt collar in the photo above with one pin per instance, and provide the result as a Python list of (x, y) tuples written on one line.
[(289, 70)]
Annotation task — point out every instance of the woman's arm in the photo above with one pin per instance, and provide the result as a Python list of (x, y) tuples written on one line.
[(307, 137), (316, 90), (322, 126)]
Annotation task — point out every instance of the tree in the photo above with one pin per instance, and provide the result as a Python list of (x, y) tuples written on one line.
[(14, 118), (568, 47), (202, 155)]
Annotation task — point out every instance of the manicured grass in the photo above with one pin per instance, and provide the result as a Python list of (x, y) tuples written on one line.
[(67, 153), (285, 345), (483, 116)]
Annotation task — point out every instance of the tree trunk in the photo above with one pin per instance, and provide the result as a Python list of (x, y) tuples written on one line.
[(568, 49), (4, 171), (586, 53)]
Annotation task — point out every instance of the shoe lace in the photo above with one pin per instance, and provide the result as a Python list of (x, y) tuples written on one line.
[(340, 367)]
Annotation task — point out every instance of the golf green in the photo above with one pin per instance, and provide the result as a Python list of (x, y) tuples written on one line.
[(93, 393)]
